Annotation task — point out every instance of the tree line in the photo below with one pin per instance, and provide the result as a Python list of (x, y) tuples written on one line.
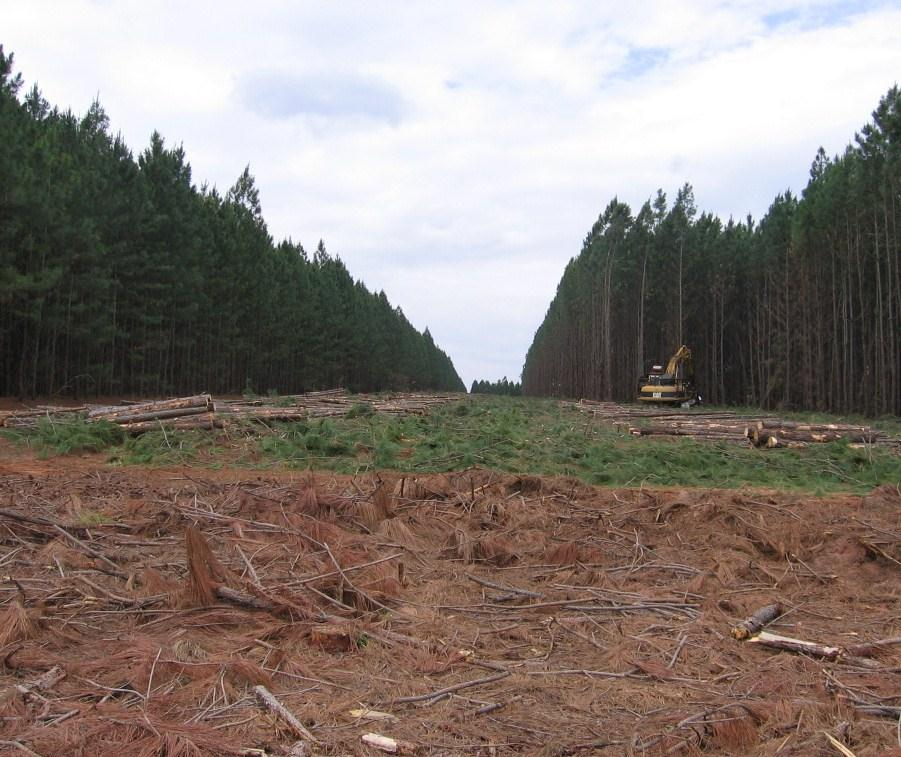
[(504, 387), (119, 275), (799, 311)]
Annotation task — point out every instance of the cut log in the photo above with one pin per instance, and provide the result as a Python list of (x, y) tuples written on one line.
[(147, 411), (777, 423), (387, 744), (800, 646), (820, 437), (774, 442), (272, 413), (207, 421), (699, 431), (757, 622)]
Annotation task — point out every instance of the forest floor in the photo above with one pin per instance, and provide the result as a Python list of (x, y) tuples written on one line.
[(477, 611)]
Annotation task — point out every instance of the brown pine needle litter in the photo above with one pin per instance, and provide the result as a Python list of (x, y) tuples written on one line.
[(472, 613)]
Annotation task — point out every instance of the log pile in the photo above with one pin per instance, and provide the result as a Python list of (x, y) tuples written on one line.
[(774, 433), (31, 418), (180, 407), (641, 420), (328, 404), (203, 412), (762, 431)]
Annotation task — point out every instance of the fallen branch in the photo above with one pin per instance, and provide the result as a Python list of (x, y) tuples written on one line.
[(113, 568), (838, 745), (502, 587), (343, 571), (20, 746), (451, 689), (43, 682), (244, 600), (268, 700), (33, 519), (877, 552), (359, 592)]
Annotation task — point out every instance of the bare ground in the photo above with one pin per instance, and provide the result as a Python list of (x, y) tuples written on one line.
[(483, 614)]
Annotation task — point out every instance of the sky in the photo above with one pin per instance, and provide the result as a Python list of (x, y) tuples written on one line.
[(455, 155)]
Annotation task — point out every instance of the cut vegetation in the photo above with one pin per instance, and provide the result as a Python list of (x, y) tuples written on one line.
[(351, 434)]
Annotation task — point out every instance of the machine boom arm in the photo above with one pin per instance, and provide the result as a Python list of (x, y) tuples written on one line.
[(683, 355)]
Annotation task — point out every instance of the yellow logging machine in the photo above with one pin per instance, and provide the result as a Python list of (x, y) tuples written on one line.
[(673, 386)]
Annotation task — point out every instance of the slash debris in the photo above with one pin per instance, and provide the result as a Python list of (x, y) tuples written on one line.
[(166, 612)]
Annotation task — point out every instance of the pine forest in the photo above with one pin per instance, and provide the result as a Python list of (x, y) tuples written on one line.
[(119, 275), (801, 310)]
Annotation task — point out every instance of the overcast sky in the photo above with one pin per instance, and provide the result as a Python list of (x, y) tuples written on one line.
[(456, 154)]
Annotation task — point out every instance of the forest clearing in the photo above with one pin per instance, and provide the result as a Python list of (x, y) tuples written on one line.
[(208, 548), (314, 587)]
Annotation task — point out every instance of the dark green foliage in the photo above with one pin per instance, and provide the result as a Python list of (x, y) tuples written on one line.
[(63, 438), (360, 410), (118, 275), (502, 387), (802, 310), (161, 448)]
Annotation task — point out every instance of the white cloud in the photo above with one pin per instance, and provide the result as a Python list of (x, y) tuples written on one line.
[(456, 158)]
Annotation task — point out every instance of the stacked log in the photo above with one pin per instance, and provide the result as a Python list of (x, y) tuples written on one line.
[(293, 413), (202, 412), (721, 425), (126, 415), (333, 403), (699, 430), (774, 433), (31, 418), (762, 431), (290, 399), (203, 421)]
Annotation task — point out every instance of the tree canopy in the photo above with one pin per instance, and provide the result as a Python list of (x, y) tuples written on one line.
[(503, 387), (119, 275), (800, 310)]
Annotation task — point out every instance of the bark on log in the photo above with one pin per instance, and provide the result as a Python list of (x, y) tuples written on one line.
[(776, 423), (153, 415), (797, 645), (816, 437), (772, 442), (151, 410), (700, 432), (206, 422), (271, 413), (757, 622)]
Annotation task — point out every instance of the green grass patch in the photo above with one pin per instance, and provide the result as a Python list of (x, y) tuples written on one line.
[(524, 435), (510, 434), (162, 448), (68, 437)]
